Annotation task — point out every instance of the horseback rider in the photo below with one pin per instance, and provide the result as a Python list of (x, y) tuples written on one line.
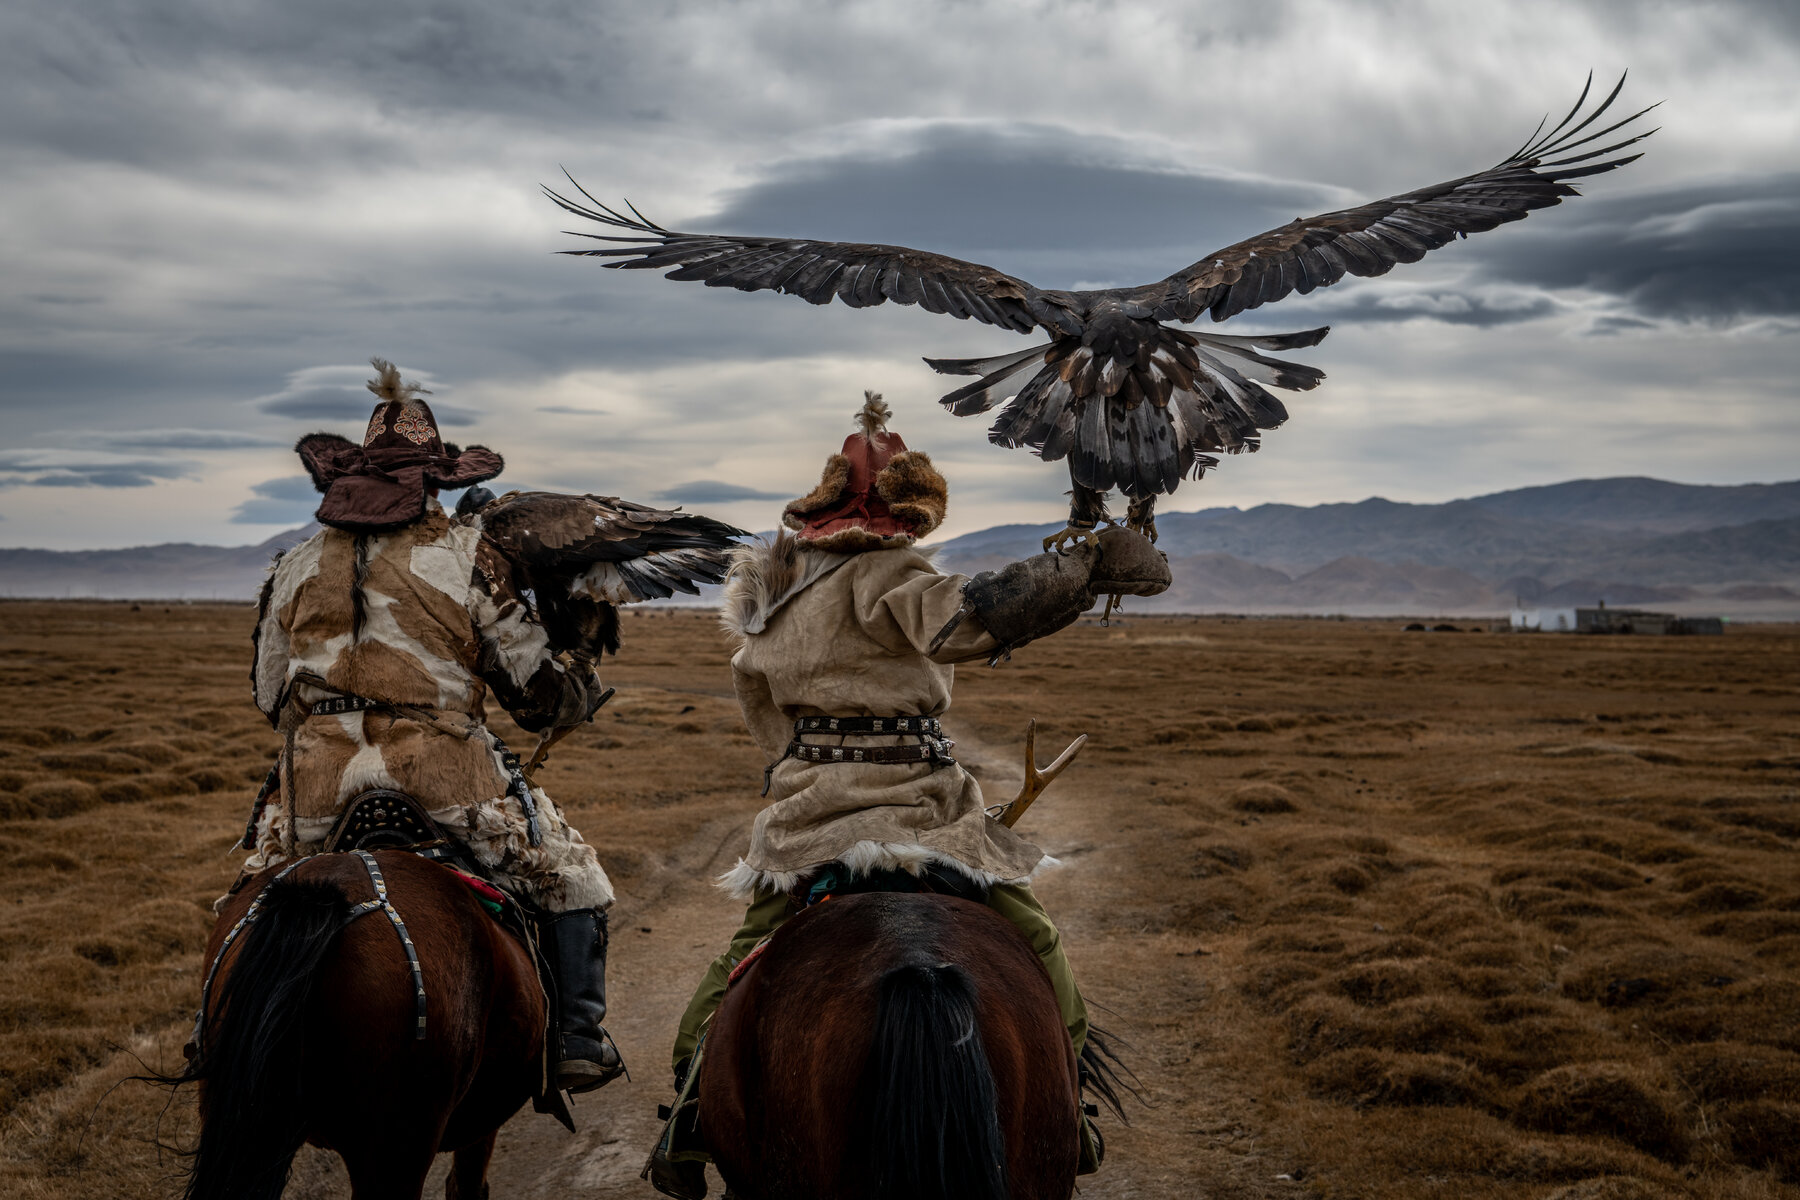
[(377, 641), (843, 622)]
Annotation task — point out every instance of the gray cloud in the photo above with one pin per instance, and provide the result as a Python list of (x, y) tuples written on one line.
[(289, 500), (572, 410), (713, 491), (186, 439), (1613, 326), (344, 405), (1719, 251), (1375, 304), (50, 468), (1068, 208), (104, 479)]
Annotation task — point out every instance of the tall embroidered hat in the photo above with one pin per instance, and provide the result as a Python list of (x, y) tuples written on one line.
[(381, 484), (875, 494)]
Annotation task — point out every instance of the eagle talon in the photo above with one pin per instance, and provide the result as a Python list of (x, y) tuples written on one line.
[(1140, 517), (1060, 542)]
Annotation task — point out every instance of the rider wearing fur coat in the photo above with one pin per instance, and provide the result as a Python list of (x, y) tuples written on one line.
[(841, 625), (378, 643)]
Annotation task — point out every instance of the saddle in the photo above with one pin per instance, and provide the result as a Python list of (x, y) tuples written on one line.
[(387, 819)]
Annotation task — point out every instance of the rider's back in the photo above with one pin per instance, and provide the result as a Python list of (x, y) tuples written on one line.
[(392, 618)]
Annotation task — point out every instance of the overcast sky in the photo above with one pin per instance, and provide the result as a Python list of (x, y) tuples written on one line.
[(216, 211)]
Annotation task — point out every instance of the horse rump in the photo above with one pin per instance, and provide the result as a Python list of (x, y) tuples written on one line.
[(930, 1129), (250, 1055)]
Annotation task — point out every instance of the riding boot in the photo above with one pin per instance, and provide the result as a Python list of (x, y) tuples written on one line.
[(575, 946)]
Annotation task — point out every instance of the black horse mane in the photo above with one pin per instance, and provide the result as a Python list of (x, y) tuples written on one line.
[(252, 1044)]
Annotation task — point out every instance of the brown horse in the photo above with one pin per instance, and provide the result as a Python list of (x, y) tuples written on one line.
[(887, 1046), (312, 1032)]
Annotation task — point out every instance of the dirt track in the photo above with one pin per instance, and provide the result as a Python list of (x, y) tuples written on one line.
[(1387, 914)]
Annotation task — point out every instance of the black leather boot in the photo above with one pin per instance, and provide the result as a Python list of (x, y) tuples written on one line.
[(575, 945)]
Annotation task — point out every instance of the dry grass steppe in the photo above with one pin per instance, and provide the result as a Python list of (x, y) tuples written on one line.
[(1380, 913)]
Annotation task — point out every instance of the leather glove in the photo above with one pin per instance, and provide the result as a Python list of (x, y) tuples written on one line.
[(1129, 565)]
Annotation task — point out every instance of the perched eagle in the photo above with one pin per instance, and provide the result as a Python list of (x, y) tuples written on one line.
[(575, 558), (1129, 400)]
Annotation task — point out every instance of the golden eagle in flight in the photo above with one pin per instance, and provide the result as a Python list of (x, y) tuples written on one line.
[(1128, 399)]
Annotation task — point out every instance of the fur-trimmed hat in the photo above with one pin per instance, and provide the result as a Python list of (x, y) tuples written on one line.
[(875, 494), (381, 484)]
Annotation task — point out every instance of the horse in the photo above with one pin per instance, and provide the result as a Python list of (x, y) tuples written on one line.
[(314, 1030), (890, 1045)]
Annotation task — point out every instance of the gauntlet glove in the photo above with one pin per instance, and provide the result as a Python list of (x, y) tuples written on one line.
[(1037, 596)]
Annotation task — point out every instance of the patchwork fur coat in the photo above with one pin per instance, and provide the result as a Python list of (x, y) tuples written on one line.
[(824, 634), (426, 618)]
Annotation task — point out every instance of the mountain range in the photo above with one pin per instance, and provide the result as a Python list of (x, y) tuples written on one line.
[(1730, 550)]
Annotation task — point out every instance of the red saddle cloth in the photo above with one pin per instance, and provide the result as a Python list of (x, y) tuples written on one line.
[(744, 963), (491, 897)]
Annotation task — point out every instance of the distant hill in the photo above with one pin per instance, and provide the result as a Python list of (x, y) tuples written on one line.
[(1652, 505), (1729, 550), (1734, 550), (170, 571)]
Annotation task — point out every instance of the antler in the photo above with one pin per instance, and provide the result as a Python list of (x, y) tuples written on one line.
[(1037, 780)]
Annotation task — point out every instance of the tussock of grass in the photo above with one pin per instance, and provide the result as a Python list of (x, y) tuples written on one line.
[(1367, 1076), (1765, 1133), (1262, 798), (1606, 1099)]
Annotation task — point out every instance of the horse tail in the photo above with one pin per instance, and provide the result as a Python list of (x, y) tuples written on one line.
[(931, 1127), (252, 1056)]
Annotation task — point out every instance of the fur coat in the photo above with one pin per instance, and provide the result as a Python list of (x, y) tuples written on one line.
[(416, 617), (823, 634)]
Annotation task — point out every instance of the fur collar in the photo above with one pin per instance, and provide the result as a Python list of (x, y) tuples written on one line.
[(866, 858), (766, 575)]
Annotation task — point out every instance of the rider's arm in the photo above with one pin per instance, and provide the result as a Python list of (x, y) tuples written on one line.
[(952, 618), (904, 602), (269, 668), (513, 656)]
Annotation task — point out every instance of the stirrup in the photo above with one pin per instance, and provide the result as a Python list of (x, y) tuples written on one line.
[(677, 1163), (578, 1076), (1093, 1145)]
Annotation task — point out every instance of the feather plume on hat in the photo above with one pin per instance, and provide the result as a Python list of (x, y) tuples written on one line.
[(388, 385), (874, 416)]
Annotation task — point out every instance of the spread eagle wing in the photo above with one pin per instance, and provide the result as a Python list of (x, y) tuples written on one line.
[(1369, 239), (1129, 399), (861, 275), (580, 556)]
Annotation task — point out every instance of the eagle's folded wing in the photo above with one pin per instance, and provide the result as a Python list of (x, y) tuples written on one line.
[(858, 274), (1371, 238), (606, 548)]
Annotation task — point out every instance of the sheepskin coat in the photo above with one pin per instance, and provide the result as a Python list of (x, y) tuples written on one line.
[(425, 617), (823, 634)]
